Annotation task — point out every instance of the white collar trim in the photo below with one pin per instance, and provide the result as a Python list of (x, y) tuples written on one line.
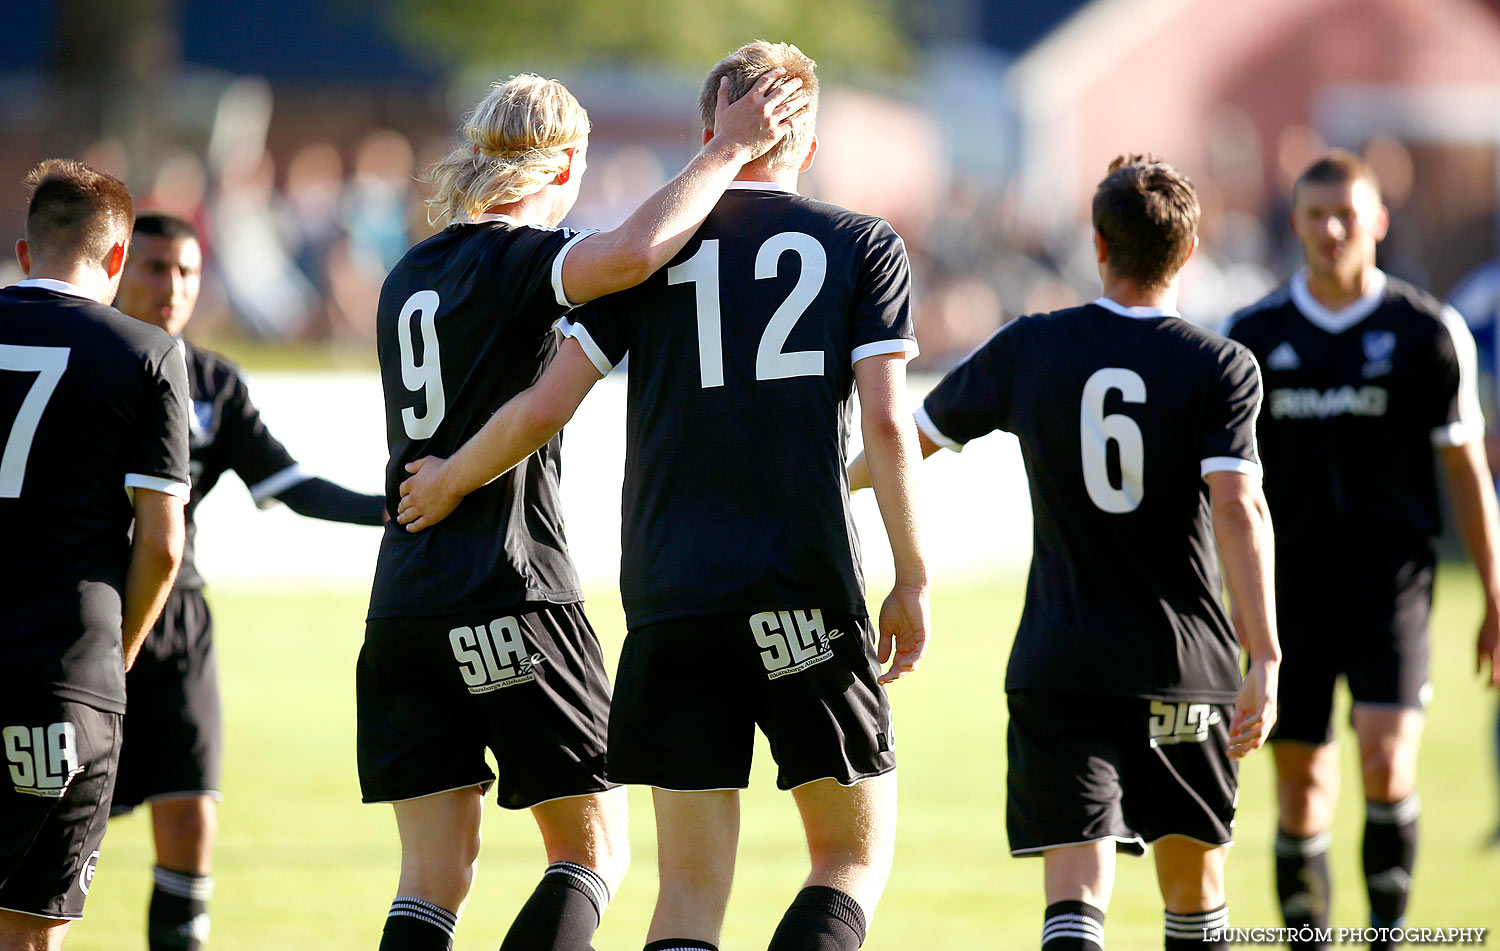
[(49, 284), (491, 216), (1139, 313), (1337, 321), (763, 186)]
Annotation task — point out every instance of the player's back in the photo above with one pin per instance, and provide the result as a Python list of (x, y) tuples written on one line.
[(1120, 413), (741, 371), (83, 392), (464, 324)]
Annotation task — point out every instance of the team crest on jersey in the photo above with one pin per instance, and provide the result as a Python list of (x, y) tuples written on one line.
[(43, 760), (792, 641), (492, 657), (1173, 723), (1284, 357), (201, 424), (1380, 346)]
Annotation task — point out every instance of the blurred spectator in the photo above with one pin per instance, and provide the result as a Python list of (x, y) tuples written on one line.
[(264, 285)]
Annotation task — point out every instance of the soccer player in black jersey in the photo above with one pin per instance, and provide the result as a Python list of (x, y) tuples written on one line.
[(1127, 707), (740, 571), (475, 635), (1370, 390), (91, 403), (172, 740)]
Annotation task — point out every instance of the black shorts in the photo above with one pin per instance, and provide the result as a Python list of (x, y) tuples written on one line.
[(690, 691), (1084, 767), (1363, 617), (173, 740), (54, 802), (526, 682)]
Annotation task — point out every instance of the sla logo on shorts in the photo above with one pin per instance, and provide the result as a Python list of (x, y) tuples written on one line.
[(791, 641), (493, 657), (86, 874), (43, 759), (1181, 722)]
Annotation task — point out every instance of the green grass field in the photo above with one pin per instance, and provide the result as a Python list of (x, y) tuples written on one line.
[(301, 864)]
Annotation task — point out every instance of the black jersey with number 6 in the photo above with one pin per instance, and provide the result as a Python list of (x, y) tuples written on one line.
[(93, 404), (741, 370), (1121, 413), (464, 324)]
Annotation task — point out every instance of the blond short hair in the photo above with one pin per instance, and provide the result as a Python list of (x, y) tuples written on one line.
[(746, 65), (515, 142)]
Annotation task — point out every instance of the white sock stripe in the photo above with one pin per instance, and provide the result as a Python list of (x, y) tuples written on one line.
[(587, 876), (443, 923), (1197, 917), (1394, 813), (1071, 924), (193, 887), (1191, 934), (1095, 939), (1288, 846)]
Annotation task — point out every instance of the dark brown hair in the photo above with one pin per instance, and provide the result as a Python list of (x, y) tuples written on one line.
[(746, 65), (164, 224), (75, 212), (1335, 167), (1147, 211)]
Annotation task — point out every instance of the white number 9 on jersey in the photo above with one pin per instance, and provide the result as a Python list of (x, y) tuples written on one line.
[(1097, 431), (427, 377)]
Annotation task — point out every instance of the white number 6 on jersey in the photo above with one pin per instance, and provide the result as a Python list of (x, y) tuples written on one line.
[(426, 377), (1098, 430)]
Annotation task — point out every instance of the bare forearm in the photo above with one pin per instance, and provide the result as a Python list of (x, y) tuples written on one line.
[(1474, 508), (891, 460), (859, 469), (1242, 528), (661, 226), (509, 436), (153, 567)]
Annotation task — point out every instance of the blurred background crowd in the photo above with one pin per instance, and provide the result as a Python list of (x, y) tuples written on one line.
[(292, 131)]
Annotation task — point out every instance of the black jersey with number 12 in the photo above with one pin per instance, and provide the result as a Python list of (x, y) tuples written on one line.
[(741, 370), (1121, 413), (465, 323)]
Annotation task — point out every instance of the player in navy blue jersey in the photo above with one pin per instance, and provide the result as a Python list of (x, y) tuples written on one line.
[(1371, 391), (1127, 705), (93, 478), (476, 637), (172, 740), (740, 571)]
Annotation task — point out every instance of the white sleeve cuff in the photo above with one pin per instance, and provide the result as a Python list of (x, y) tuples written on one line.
[(170, 487), (557, 266), (898, 345), (580, 333), (1229, 464), (929, 428), (1456, 434), (265, 491)]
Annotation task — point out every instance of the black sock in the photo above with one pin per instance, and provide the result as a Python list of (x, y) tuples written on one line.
[(1198, 930), (680, 944), (562, 914), (1390, 853), (1302, 879), (417, 925), (1073, 926), (820, 919), (178, 915)]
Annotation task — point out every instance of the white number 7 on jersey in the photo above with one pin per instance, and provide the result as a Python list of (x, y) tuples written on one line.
[(1097, 431), (48, 363)]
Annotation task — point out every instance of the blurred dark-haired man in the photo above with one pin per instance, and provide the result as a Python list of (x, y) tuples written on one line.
[(91, 404), (1371, 389), (172, 739), (1127, 706)]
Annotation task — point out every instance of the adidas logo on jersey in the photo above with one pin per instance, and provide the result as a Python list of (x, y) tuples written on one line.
[(494, 656), (1283, 358), (1308, 403), (1181, 722)]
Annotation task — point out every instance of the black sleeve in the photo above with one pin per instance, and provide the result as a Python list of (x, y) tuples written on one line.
[(1454, 413), (602, 328), (532, 273), (319, 498), (882, 321), (158, 455), (974, 398), (1227, 442), (256, 456)]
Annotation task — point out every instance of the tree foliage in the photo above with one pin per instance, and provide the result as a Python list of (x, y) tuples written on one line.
[(840, 34)]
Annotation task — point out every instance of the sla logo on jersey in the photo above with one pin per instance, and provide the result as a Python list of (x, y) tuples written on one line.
[(1308, 403), (43, 759), (1283, 358), (1380, 346), (86, 874), (1181, 722), (791, 641), (493, 657)]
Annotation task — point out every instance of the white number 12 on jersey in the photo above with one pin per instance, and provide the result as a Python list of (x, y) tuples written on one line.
[(48, 363), (1097, 431)]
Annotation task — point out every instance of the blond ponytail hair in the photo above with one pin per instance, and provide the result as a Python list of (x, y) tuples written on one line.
[(515, 142)]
